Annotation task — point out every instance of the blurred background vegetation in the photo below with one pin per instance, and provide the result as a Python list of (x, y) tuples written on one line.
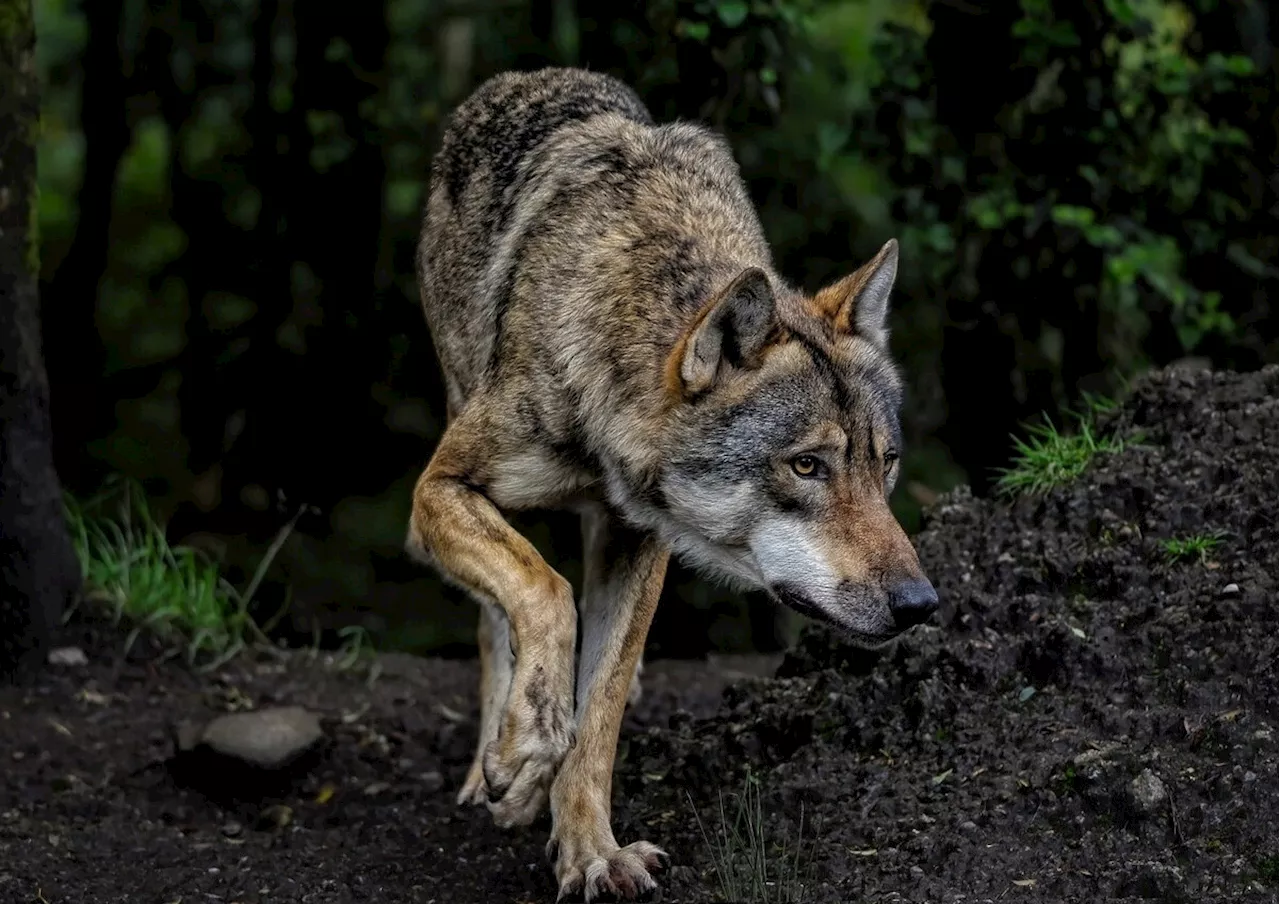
[(230, 193)]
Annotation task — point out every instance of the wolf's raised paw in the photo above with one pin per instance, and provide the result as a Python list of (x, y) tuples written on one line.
[(474, 791), (519, 767), (625, 874)]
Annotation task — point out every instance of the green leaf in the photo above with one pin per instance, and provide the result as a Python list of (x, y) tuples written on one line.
[(732, 12), (1235, 64), (1071, 215), (1122, 11), (1240, 256), (989, 218), (1103, 236), (698, 31), (939, 238)]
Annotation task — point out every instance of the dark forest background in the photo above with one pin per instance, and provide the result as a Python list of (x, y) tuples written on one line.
[(230, 192)]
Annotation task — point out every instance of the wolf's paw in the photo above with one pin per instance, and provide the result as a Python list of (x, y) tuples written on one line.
[(521, 763), (474, 791), (607, 872)]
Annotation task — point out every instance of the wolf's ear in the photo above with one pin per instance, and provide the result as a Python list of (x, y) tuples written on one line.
[(732, 333), (859, 303)]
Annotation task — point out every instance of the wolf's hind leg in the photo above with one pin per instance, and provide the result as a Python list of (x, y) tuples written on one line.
[(496, 665), (622, 577), (471, 543)]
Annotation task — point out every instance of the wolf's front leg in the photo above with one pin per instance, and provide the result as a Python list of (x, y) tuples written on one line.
[(496, 665), (623, 574), (468, 539)]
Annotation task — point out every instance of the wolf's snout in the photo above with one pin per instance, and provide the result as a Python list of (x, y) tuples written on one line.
[(912, 602)]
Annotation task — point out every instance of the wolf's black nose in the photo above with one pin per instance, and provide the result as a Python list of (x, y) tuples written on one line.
[(912, 602)]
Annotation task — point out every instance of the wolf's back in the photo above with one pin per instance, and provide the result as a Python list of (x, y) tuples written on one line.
[(477, 195), (511, 114)]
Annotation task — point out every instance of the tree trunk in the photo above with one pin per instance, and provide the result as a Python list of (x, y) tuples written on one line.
[(38, 568)]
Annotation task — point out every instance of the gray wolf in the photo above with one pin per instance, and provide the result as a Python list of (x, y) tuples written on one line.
[(615, 341)]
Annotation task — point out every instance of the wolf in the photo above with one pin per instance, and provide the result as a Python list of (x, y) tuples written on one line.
[(615, 341)]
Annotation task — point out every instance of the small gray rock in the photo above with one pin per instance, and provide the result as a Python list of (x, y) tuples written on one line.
[(268, 738), (68, 657), (1231, 590), (1148, 792)]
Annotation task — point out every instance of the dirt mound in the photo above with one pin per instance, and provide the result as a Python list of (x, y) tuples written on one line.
[(1092, 721)]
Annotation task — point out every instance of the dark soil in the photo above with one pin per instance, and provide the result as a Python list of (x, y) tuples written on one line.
[(992, 758)]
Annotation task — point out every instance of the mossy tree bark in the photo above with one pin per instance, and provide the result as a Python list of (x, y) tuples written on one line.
[(38, 568)]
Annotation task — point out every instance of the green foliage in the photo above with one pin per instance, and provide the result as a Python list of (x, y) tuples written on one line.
[(356, 645), (750, 867), (1067, 782), (15, 21), (174, 592), (1084, 196), (1269, 868), (1140, 196), (1048, 457), (1191, 548), (60, 151)]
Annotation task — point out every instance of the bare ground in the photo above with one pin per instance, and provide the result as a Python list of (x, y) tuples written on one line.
[(1089, 722)]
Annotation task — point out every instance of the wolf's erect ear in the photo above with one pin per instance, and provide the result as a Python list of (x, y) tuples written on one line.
[(859, 303), (735, 329)]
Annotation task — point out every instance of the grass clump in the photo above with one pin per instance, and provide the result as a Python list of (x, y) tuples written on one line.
[(1050, 458), (1269, 868), (750, 869), (175, 592), (1194, 548)]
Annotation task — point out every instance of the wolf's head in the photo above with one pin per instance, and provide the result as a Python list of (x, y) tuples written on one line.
[(785, 445)]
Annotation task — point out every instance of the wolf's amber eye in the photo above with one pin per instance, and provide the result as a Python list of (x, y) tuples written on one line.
[(890, 459), (805, 465)]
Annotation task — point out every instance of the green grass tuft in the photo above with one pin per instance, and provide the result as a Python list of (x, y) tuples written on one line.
[(1050, 458), (749, 869), (1269, 868), (1195, 548), (174, 592)]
